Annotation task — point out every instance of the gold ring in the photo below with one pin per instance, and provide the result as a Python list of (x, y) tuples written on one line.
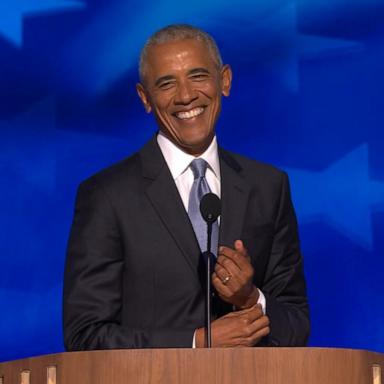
[(225, 281)]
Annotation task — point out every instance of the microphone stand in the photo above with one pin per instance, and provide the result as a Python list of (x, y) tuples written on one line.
[(208, 308), (210, 208)]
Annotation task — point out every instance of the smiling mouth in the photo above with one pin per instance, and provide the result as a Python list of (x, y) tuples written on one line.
[(186, 115)]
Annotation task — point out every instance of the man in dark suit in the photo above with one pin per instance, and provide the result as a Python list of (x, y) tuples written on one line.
[(133, 272)]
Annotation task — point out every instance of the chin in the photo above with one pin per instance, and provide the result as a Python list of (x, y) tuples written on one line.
[(197, 137), (194, 146)]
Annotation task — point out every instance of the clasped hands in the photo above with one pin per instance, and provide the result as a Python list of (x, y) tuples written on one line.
[(233, 282)]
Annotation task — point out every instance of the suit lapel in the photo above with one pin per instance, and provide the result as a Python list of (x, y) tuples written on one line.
[(165, 198), (234, 199)]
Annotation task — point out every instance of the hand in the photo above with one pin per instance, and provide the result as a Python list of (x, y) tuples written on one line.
[(233, 277), (243, 328)]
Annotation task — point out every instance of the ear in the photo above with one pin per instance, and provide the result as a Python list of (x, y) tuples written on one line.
[(143, 97), (226, 79)]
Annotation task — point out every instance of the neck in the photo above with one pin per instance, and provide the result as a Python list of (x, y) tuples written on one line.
[(194, 150)]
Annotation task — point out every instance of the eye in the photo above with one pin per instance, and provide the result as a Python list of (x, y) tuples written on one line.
[(166, 85), (199, 76)]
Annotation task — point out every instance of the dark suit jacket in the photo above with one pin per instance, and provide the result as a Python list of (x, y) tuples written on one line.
[(131, 278)]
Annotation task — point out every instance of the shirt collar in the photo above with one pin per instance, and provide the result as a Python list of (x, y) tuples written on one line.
[(178, 161)]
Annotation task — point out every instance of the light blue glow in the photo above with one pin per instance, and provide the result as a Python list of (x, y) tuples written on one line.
[(12, 14)]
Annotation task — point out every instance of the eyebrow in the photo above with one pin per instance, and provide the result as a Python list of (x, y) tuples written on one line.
[(198, 70), (191, 72)]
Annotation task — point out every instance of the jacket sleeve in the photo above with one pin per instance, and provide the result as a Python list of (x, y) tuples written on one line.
[(284, 284), (92, 297)]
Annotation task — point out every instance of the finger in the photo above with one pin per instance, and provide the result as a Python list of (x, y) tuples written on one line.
[(239, 247), (241, 260), (223, 274), (258, 324), (232, 277), (234, 261), (241, 277), (225, 293), (228, 269), (257, 336), (249, 333), (227, 262), (252, 314), (226, 251), (257, 307), (252, 332), (221, 288)]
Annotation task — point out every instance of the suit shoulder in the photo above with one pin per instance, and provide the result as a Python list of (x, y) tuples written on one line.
[(255, 168), (115, 174)]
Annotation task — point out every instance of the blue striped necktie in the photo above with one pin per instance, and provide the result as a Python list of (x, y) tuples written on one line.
[(199, 188)]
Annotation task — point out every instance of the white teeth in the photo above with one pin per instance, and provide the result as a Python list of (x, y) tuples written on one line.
[(192, 113)]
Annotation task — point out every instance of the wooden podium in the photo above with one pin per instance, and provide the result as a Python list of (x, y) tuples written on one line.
[(195, 366)]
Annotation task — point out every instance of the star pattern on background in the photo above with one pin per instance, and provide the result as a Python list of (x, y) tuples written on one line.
[(283, 26), (13, 13), (32, 146), (344, 195), (280, 26)]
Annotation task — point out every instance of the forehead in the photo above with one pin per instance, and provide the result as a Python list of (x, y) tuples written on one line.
[(174, 56)]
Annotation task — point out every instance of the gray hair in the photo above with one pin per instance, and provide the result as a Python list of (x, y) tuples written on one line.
[(177, 32)]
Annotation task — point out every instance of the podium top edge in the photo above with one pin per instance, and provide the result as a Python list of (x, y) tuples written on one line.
[(201, 350)]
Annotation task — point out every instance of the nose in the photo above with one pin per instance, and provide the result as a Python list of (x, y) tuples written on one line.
[(185, 93)]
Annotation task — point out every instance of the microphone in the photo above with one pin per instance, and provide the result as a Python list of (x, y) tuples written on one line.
[(210, 209)]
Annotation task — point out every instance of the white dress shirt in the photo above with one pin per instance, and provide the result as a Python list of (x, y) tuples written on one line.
[(179, 162)]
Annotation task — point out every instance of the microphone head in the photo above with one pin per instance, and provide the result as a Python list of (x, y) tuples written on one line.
[(210, 207)]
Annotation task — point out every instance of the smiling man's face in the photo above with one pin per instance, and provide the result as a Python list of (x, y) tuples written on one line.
[(183, 88)]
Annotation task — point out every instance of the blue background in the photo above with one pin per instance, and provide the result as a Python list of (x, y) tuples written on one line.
[(307, 97)]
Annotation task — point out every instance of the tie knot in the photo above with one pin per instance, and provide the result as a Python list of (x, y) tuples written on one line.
[(198, 166)]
